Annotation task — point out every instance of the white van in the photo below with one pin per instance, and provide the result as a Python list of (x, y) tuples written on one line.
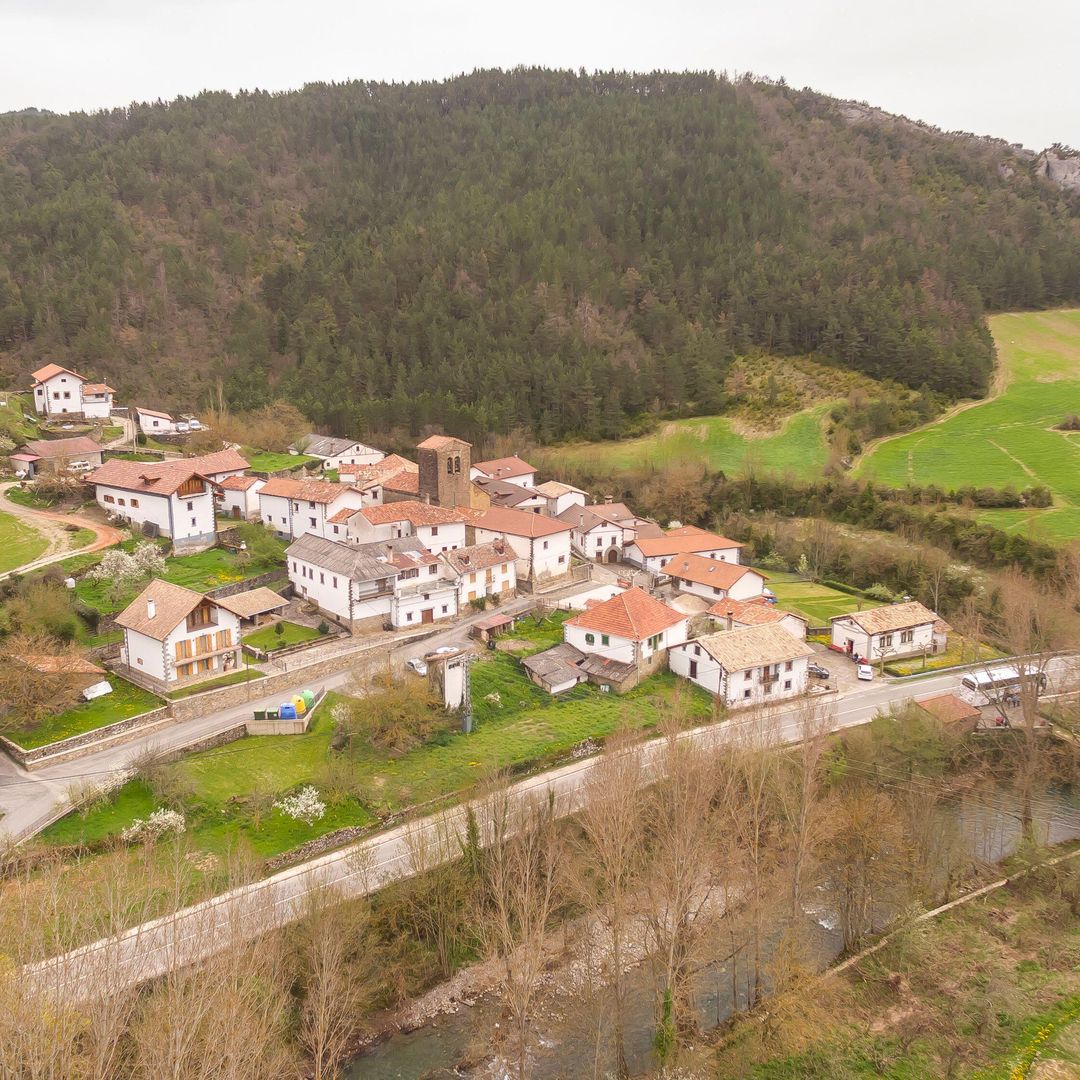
[(79, 466)]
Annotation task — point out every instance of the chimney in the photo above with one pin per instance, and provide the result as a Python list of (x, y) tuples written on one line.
[(151, 608), (729, 619), (609, 499)]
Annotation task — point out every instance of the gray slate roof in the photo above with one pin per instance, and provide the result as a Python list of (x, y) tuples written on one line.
[(555, 665), (358, 562), (329, 446)]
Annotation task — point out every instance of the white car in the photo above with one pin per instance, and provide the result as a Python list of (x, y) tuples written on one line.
[(865, 672), (417, 664), (195, 425), (79, 466), (183, 426)]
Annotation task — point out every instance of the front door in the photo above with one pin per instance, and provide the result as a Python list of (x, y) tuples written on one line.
[(427, 615)]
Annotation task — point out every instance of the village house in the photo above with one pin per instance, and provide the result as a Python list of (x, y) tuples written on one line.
[(481, 571), (714, 578), (592, 536), (738, 614), (557, 669), (895, 630), (620, 514), (631, 629), (294, 507), (42, 456), (168, 498), (336, 453), (174, 635), (59, 391), (653, 553), (753, 666), (438, 528), (394, 477), (559, 496), (541, 545), (238, 497), (394, 583), (512, 469), (508, 494), (153, 422)]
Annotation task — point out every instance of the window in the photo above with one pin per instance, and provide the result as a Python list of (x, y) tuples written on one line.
[(604, 640), (311, 506), (110, 499), (56, 395), (283, 521), (408, 616), (693, 669), (67, 395), (747, 675), (886, 640), (716, 590), (457, 464), (120, 501), (322, 578), (906, 636), (194, 523), (697, 650), (134, 502), (296, 508), (590, 639), (449, 466), (789, 665), (444, 609), (746, 693), (311, 522), (787, 684), (545, 545), (434, 530), (433, 569), (335, 530), (654, 641), (191, 506), (599, 541), (562, 559), (333, 583)]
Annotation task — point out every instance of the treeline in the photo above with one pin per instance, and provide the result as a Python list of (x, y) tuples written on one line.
[(531, 249)]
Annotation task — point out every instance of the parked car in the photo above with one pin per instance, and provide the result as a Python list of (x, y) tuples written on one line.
[(79, 466), (195, 425), (816, 671), (183, 426), (417, 664), (865, 672)]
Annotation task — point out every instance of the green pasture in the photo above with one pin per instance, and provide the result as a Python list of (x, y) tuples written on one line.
[(1010, 439), (818, 603), (19, 543), (797, 449)]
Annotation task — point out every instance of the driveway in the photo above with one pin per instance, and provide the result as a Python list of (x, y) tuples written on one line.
[(51, 525), (844, 680)]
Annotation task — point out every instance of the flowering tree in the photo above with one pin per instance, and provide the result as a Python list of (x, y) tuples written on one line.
[(160, 822), (303, 805), (124, 569)]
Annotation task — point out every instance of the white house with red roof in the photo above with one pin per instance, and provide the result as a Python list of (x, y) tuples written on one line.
[(438, 528), (714, 579), (653, 553), (155, 422), (295, 507), (592, 536), (238, 496), (541, 545), (738, 614), (59, 391), (511, 469), (631, 628)]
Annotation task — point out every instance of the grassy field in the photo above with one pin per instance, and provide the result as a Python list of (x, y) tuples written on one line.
[(797, 449), (202, 572), (818, 603), (267, 461), (1009, 439), (19, 543), (125, 700), (242, 675), (292, 633), (516, 724)]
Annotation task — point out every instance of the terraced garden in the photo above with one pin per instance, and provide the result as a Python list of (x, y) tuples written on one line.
[(1010, 439)]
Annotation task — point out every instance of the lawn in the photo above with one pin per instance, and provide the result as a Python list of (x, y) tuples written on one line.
[(202, 572), (516, 724), (1010, 439), (125, 700), (270, 462), (818, 603), (242, 675), (797, 449), (268, 639), (539, 633), (79, 538), (960, 651), (19, 543)]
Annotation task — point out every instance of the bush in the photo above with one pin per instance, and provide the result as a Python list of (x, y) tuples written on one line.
[(880, 592), (774, 561), (323, 628)]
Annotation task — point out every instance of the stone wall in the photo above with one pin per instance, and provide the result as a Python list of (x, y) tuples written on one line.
[(87, 741), (270, 578)]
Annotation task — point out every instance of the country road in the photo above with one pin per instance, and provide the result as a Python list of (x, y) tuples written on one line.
[(197, 932), (51, 525)]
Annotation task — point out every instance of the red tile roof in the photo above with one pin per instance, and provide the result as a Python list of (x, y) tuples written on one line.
[(316, 491), (756, 612), (441, 442), (949, 709), (220, 461), (632, 614), (49, 370), (681, 542), (406, 482), (417, 513), (97, 388), (238, 483), (342, 516), (705, 571), (151, 478), (59, 448), (501, 468), (502, 519), (153, 412)]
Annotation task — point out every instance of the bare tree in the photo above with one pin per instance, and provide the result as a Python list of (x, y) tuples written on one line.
[(522, 878), (613, 862)]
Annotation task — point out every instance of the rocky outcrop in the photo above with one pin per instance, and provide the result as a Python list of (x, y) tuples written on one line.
[(1061, 166)]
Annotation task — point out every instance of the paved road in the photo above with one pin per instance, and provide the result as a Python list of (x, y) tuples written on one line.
[(31, 800), (195, 933), (51, 525)]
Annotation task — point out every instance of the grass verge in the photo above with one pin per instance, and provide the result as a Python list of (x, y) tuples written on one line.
[(268, 639), (232, 679)]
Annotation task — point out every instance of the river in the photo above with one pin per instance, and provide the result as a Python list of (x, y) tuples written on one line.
[(989, 823)]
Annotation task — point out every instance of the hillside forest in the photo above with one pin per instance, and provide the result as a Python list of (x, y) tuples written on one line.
[(548, 251)]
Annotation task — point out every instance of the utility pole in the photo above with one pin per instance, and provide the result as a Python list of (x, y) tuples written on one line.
[(466, 694)]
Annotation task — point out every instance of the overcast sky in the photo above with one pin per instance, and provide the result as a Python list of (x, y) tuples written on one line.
[(993, 67)]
